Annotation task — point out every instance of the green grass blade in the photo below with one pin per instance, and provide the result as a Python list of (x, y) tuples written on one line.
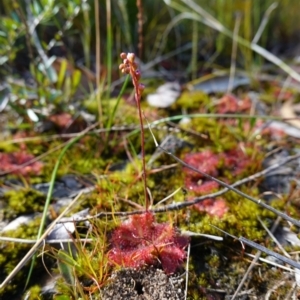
[(49, 195), (206, 18), (112, 115)]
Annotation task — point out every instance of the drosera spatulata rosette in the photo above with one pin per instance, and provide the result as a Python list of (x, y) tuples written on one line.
[(140, 240)]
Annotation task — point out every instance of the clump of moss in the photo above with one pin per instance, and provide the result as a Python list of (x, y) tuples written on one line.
[(34, 292), (193, 100), (23, 201)]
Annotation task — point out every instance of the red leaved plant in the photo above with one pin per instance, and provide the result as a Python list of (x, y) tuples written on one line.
[(141, 241), (231, 104), (234, 161), (207, 162), (20, 163)]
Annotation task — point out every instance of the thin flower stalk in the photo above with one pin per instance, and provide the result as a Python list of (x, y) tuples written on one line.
[(129, 66)]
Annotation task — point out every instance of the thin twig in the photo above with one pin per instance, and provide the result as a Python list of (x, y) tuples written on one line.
[(270, 252), (187, 271), (230, 187), (185, 204)]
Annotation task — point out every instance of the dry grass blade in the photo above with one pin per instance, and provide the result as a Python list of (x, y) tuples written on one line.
[(272, 263), (264, 22), (168, 197), (273, 238), (206, 18), (187, 272), (270, 252), (38, 243), (27, 241)]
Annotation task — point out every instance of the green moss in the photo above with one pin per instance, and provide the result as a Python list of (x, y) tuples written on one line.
[(214, 261), (7, 147), (193, 100), (23, 201), (104, 198), (34, 293)]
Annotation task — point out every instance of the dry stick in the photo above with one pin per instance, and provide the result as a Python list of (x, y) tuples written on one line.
[(136, 128), (70, 135), (269, 252), (36, 246), (271, 235), (253, 263), (269, 262), (181, 205), (237, 183), (187, 271), (259, 201), (258, 254), (275, 287)]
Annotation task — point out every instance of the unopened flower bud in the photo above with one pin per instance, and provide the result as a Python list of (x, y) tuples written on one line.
[(123, 55), (138, 74), (141, 87)]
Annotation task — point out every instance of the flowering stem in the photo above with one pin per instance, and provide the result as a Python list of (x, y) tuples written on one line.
[(130, 67), (138, 102)]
